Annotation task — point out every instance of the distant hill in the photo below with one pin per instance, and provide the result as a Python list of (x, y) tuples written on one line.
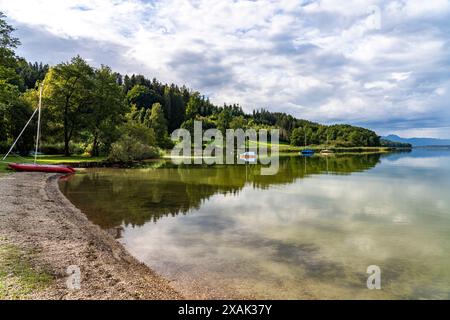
[(418, 142)]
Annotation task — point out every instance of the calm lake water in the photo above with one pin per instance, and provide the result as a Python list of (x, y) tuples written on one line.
[(309, 232)]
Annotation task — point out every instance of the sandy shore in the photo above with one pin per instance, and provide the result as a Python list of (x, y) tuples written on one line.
[(37, 218)]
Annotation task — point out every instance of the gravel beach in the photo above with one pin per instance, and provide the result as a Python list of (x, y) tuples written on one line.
[(36, 218)]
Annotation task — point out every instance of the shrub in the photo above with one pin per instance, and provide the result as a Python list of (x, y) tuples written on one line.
[(52, 148), (128, 149), (167, 143), (4, 147), (58, 148)]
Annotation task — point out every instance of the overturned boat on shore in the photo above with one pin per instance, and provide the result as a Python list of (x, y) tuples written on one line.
[(31, 167)]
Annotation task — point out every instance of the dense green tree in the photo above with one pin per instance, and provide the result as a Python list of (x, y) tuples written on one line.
[(298, 137), (158, 123), (9, 80), (142, 96), (224, 119), (194, 106), (6, 30), (238, 122), (22, 111), (263, 116), (174, 107), (286, 123), (14, 111), (106, 110), (68, 93), (30, 73), (9, 95)]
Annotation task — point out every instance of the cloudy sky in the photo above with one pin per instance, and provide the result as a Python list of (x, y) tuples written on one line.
[(380, 64)]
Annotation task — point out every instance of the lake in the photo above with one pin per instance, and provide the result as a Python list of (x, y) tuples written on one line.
[(309, 232)]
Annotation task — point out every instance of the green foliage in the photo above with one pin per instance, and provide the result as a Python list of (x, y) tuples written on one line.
[(8, 61), (68, 96), (21, 111), (298, 137), (18, 278), (31, 73), (193, 106), (142, 96), (393, 144), (207, 123), (198, 106), (224, 119), (337, 135), (106, 110), (6, 38), (14, 110), (137, 142), (174, 107), (238, 122), (155, 120), (81, 103)]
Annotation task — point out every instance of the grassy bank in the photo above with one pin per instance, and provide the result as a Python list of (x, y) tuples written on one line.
[(283, 148), (288, 148), (49, 159), (18, 278)]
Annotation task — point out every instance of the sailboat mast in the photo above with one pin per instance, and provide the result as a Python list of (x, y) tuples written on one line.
[(304, 131), (39, 123)]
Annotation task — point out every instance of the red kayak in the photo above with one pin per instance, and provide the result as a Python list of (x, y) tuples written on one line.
[(41, 168)]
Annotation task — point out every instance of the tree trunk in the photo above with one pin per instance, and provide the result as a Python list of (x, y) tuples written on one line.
[(66, 148), (66, 135), (95, 151)]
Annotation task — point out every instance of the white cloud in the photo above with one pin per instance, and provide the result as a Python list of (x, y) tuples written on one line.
[(352, 7), (400, 76), (102, 20), (379, 85), (419, 8), (440, 91)]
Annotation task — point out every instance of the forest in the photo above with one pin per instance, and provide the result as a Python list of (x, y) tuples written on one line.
[(96, 111)]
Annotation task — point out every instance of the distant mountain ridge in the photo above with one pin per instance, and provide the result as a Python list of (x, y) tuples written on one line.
[(418, 142)]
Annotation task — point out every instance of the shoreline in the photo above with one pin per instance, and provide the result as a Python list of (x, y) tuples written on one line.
[(37, 219), (75, 161)]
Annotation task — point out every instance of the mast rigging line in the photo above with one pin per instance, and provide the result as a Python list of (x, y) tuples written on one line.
[(20, 134), (38, 109)]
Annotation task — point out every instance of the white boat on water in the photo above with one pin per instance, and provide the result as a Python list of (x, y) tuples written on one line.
[(326, 150), (248, 156)]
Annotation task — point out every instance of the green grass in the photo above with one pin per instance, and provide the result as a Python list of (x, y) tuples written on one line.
[(48, 159), (18, 278), (282, 147), (286, 149)]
